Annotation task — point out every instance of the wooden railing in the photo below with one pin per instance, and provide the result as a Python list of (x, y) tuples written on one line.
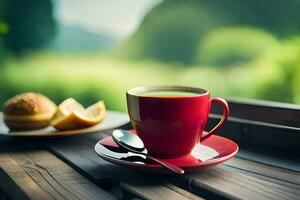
[(265, 131)]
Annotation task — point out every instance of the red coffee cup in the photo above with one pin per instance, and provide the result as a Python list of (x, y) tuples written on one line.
[(170, 119)]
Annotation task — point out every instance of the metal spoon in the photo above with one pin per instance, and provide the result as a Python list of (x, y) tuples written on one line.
[(134, 144)]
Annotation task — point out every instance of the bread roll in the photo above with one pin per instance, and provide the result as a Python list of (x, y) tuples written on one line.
[(28, 111)]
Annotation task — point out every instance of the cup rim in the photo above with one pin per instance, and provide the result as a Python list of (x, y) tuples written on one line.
[(135, 91)]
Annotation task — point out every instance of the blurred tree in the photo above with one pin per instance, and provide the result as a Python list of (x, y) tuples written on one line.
[(285, 85), (279, 88), (234, 45), (280, 17), (171, 31), (3, 27), (31, 24)]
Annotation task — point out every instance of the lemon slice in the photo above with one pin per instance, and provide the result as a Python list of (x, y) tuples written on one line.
[(72, 115)]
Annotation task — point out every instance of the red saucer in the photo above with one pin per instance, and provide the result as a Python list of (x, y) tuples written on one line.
[(213, 151)]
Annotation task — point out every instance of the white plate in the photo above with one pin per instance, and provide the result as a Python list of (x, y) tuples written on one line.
[(112, 120)]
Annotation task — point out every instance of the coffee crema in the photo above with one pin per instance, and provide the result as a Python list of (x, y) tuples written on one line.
[(168, 93)]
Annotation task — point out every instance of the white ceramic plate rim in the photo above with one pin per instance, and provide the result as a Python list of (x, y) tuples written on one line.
[(112, 120)]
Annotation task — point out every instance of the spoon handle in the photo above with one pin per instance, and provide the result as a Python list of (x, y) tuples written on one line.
[(166, 164)]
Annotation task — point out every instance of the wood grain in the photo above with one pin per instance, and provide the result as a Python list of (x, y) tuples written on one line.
[(42, 176), (212, 183), (270, 156), (164, 191), (133, 183), (263, 111), (89, 163), (257, 133), (234, 185), (34, 173), (275, 173), (7, 184)]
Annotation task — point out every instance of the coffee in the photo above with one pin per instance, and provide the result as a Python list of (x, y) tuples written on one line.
[(168, 93)]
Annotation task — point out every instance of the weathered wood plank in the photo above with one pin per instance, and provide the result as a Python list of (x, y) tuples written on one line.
[(22, 179), (11, 188), (218, 181), (262, 170), (43, 176), (263, 111), (266, 143), (257, 133), (85, 159), (262, 142), (269, 156), (148, 186), (164, 191), (234, 185)]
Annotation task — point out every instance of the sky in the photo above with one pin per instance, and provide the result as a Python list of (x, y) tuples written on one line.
[(118, 18)]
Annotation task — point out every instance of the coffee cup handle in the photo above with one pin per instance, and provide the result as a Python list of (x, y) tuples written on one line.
[(221, 122)]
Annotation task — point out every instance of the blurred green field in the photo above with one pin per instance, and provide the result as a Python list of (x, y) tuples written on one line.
[(90, 77), (246, 49)]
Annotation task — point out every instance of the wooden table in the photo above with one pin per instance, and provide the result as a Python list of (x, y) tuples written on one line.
[(68, 168)]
